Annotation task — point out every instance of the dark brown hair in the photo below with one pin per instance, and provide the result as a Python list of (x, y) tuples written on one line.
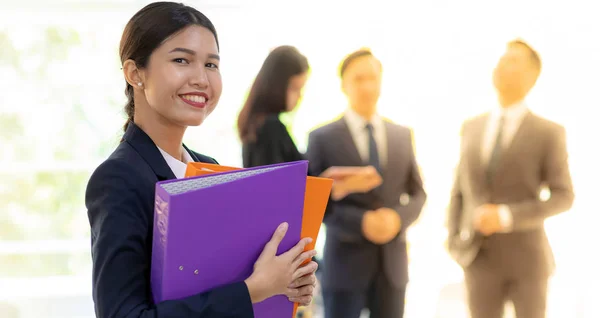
[(351, 57), (268, 94), (148, 29)]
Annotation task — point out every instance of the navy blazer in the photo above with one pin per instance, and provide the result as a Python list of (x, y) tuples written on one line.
[(350, 261), (120, 203)]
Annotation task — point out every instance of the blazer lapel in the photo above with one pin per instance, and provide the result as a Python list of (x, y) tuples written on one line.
[(192, 154), (142, 143), (394, 152), (518, 141), (347, 143), (475, 160)]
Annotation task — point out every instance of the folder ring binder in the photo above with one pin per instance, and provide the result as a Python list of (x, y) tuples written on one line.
[(228, 215)]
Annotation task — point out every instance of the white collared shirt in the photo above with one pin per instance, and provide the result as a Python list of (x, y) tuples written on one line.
[(178, 167), (360, 135), (513, 116)]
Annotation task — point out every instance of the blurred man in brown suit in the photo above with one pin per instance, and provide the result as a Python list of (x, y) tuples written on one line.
[(496, 217)]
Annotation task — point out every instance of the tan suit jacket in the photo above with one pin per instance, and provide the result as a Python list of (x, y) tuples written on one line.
[(536, 158)]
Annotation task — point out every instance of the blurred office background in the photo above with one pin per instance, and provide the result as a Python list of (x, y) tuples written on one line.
[(61, 114)]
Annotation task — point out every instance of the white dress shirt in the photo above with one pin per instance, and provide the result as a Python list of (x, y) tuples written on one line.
[(513, 116), (358, 129), (178, 167)]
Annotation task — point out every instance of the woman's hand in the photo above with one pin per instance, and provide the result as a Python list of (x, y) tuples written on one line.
[(302, 288), (274, 274)]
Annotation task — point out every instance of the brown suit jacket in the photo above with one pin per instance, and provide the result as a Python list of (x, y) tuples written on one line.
[(536, 158)]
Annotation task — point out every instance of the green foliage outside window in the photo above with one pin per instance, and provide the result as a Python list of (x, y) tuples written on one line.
[(46, 203)]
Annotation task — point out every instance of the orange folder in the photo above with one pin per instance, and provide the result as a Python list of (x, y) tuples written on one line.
[(315, 200)]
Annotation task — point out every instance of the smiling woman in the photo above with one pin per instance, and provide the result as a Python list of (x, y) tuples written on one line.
[(180, 84), (169, 54), (176, 84)]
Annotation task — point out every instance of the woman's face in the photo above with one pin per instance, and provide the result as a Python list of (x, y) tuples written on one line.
[(182, 82), (294, 91)]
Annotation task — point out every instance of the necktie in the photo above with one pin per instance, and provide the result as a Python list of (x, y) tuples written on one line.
[(374, 161), (496, 152), (373, 153)]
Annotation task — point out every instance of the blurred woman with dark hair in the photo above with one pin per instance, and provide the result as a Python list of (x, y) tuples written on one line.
[(276, 89)]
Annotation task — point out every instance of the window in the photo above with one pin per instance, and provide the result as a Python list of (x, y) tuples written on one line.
[(61, 114)]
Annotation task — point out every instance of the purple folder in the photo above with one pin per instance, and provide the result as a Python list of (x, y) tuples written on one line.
[(209, 230)]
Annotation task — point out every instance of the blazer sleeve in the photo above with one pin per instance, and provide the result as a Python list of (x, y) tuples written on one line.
[(410, 212), (455, 207), (556, 176), (121, 252)]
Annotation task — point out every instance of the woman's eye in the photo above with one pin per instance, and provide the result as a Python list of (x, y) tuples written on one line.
[(180, 61)]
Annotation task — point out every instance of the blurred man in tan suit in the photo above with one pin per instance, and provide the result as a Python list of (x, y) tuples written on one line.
[(496, 217)]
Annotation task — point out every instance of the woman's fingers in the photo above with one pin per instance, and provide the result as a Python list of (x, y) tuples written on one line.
[(309, 268), (302, 301), (303, 257), (293, 253), (303, 281), (300, 292)]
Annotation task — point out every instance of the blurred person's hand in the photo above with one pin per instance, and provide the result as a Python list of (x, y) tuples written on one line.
[(352, 180), (487, 219), (381, 226)]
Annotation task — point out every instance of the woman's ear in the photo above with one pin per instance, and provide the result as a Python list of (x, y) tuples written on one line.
[(132, 74)]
